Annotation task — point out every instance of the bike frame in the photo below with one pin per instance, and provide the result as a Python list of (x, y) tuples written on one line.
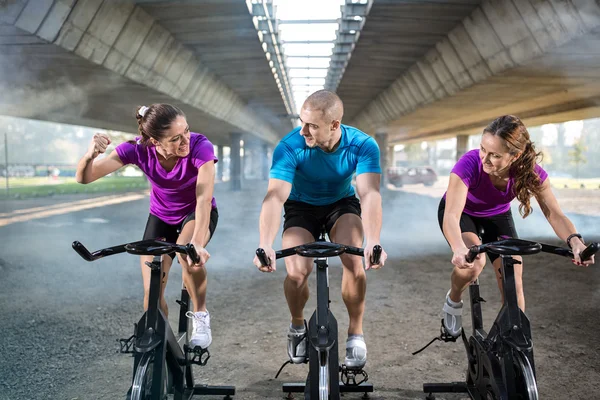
[(509, 339), (322, 326), (153, 332)]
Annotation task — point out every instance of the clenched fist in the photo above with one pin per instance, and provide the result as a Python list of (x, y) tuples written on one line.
[(98, 145)]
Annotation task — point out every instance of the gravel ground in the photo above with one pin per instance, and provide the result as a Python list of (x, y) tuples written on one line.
[(61, 316)]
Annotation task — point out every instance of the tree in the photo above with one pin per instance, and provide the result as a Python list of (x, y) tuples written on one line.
[(576, 156)]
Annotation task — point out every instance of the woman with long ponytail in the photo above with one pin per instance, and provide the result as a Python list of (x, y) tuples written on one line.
[(482, 185)]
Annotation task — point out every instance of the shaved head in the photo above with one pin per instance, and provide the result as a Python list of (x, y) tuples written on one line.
[(328, 103)]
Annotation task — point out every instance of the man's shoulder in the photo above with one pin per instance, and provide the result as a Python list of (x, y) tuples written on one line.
[(293, 139), (354, 136)]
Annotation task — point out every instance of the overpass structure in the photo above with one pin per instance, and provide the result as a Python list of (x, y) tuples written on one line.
[(406, 69)]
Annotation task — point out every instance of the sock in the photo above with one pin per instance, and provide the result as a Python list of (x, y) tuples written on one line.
[(355, 336), (297, 327), (452, 303)]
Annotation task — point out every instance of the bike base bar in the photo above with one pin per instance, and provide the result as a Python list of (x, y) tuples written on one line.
[(214, 390), (299, 388), (453, 387)]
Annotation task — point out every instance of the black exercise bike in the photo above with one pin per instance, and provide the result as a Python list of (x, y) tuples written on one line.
[(323, 381), (162, 361), (500, 363)]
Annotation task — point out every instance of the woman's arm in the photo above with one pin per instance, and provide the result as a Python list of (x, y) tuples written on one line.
[(89, 170), (563, 227), (456, 197), (205, 186)]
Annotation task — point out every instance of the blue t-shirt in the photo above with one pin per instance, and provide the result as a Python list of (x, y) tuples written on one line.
[(322, 178)]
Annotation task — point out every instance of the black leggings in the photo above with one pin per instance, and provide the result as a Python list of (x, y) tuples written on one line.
[(489, 229)]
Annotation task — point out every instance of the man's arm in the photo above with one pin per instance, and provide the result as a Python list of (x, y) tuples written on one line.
[(367, 187), (270, 218), (270, 214)]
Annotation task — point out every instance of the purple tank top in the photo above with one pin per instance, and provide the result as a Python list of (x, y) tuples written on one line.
[(483, 199), (173, 193)]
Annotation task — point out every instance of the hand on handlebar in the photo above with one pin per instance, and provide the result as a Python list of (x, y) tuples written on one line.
[(203, 254), (459, 258), (270, 253), (578, 247), (369, 257)]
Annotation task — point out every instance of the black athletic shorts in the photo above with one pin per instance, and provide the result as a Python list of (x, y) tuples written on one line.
[(495, 227), (157, 228), (314, 218)]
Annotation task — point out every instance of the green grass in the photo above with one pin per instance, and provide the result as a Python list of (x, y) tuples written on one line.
[(21, 188)]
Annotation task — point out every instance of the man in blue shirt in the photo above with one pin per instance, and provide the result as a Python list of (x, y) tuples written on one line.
[(311, 179)]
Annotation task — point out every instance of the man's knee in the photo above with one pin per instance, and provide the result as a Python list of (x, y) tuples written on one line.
[(353, 265), (298, 270)]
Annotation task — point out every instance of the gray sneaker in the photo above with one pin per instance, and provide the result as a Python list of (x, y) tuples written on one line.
[(356, 352), (296, 345), (452, 316)]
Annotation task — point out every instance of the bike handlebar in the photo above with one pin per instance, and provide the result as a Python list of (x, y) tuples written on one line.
[(319, 249), (525, 247), (149, 247)]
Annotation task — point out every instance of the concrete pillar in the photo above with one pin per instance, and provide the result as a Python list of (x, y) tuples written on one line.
[(391, 157), (266, 161), (235, 161), (220, 164), (382, 141), (462, 143)]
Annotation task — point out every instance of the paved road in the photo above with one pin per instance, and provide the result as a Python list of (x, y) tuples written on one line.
[(61, 316)]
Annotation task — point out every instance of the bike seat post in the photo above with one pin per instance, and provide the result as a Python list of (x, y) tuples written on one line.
[(476, 300), (509, 288), (156, 278)]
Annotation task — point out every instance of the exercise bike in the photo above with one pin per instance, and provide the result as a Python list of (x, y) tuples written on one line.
[(500, 363), (323, 381), (162, 361)]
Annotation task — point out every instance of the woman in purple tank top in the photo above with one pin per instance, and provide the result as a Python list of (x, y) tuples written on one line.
[(482, 185), (180, 166)]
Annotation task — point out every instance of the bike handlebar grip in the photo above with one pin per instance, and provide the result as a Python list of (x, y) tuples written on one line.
[(82, 251), (375, 258), (473, 252), (191, 250), (262, 256), (589, 251)]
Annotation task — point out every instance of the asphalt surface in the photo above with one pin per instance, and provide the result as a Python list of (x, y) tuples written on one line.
[(61, 316)]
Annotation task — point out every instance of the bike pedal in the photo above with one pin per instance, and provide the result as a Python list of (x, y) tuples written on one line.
[(126, 345), (198, 355), (349, 375)]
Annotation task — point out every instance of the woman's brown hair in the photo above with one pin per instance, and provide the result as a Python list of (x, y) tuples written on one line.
[(516, 138), (154, 120)]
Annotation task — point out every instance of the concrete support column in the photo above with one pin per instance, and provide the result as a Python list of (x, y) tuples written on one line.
[(219, 171), (235, 161), (462, 142), (266, 161), (391, 157), (382, 141)]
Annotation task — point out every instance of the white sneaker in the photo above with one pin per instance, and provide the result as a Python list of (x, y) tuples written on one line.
[(356, 352), (201, 335), (452, 316)]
